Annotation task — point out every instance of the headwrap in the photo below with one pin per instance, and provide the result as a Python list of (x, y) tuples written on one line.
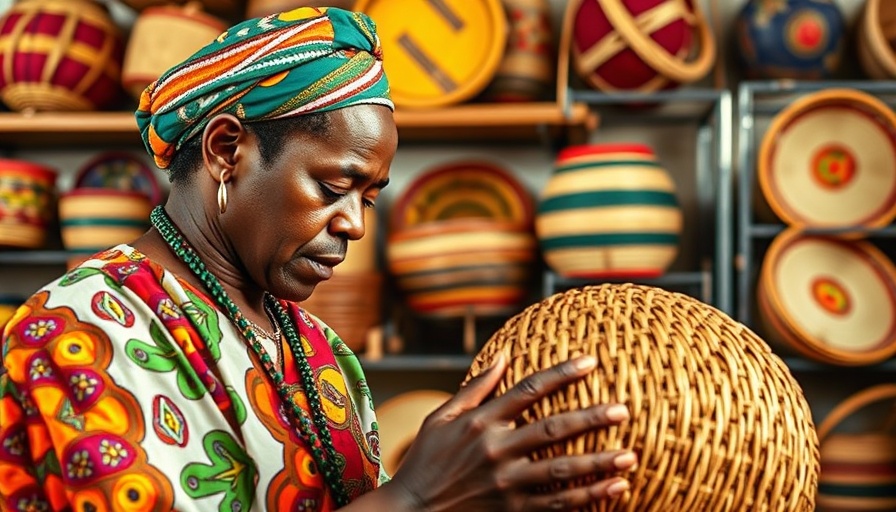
[(297, 62)]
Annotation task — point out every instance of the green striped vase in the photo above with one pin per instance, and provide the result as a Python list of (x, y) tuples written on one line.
[(609, 210)]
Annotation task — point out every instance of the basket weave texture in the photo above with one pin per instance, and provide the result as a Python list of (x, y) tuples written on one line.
[(718, 422)]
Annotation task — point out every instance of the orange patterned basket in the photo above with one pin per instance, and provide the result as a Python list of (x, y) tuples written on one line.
[(59, 55), (718, 422)]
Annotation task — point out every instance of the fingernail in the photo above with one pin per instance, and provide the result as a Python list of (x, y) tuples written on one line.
[(624, 460), (617, 488), (497, 361), (585, 363), (617, 412)]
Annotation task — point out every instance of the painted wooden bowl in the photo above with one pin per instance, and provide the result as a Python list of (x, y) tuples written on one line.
[(27, 203), (829, 299), (829, 160), (119, 170), (59, 55), (640, 45), (454, 267), (463, 189), (162, 37), (717, 420), (798, 39), (93, 219), (439, 53), (609, 210)]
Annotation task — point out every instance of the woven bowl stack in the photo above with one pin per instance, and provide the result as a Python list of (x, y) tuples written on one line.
[(718, 422)]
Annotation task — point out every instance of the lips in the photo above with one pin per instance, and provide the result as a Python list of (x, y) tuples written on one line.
[(323, 265)]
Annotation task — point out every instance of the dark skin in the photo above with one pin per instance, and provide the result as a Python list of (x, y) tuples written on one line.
[(467, 456)]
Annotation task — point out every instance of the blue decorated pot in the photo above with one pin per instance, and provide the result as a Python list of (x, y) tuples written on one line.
[(797, 39)]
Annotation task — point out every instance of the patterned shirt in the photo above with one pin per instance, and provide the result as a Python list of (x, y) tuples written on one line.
[(124, 388)]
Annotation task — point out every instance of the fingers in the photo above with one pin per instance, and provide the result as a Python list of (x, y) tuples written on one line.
[(577, 498), (571, 467), (558, 427), (529, 390)]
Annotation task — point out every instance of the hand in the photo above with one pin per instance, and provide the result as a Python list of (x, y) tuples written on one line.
[(468, 456)]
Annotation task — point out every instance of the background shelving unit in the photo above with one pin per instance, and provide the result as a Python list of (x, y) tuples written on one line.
[(709, 112), (757, 104)]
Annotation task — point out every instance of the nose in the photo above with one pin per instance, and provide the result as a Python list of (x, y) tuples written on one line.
[(349, 221)]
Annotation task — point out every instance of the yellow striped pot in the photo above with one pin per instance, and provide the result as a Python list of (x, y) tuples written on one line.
[(609, 210), (93, 219)]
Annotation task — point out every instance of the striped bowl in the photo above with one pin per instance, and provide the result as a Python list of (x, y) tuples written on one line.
[(609, 210), (454, 267), (27, 194), (93, 219)]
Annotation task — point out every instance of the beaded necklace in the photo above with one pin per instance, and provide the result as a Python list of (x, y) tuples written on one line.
[(321, 445)]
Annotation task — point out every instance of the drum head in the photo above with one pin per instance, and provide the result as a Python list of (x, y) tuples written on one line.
[(829, 160), (836, 296)]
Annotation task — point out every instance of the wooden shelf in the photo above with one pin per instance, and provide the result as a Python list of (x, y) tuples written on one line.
[(504, 121)]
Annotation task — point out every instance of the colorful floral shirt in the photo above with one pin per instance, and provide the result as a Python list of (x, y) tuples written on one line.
[(124, 388)]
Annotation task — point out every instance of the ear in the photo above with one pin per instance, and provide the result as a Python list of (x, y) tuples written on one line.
[(221, 141)]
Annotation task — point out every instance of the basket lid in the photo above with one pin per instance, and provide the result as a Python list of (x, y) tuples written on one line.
[(438, 53), (838, 296), (27, 168), (829, 160), (463, 189)]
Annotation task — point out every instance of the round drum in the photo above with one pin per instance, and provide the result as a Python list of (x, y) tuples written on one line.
[(643, 45), (718, 422), (93, 219), (609, 210), (829, 160), (830, 299), (876, 30), (162, 37), (798, 39), (27, 203), (439, 52), (59, 55)]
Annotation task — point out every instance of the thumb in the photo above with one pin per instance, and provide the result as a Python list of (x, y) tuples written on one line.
[(475, 391)]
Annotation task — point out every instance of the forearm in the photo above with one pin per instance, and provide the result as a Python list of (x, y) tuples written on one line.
[(389, 497)]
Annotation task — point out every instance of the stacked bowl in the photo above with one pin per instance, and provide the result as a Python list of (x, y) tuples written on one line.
[(461, 241)]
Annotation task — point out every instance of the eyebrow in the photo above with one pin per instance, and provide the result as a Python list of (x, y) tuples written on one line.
[(354, 174)]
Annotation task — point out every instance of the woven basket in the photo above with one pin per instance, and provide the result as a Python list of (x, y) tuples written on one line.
[(60, 55), (858, 470), (718, 422), (875, 33)]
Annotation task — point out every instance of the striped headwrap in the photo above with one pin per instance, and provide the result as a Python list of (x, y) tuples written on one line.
[(283, 65)]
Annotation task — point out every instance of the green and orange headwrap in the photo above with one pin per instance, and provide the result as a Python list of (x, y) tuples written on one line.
[(288, 64)]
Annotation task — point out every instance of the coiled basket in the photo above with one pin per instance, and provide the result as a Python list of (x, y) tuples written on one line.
[(718, 422)]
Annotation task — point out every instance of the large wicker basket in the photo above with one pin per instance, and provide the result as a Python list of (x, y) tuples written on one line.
[(718, 422)]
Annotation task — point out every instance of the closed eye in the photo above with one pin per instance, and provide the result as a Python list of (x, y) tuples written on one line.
[(330, 193)]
